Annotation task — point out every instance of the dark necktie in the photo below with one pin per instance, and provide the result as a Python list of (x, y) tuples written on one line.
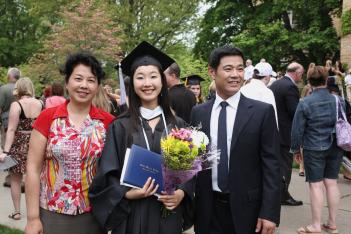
[(222, 145)]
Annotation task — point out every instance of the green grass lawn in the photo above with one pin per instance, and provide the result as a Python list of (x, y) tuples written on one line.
[(6, 230)]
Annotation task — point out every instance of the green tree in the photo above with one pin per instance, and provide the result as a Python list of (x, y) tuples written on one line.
[(163, 23), (23, 25), (264, 29), (84, 27), (18, 39), (189, 65)]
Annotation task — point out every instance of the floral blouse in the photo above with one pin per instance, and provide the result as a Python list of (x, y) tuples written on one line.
[(71, 157)]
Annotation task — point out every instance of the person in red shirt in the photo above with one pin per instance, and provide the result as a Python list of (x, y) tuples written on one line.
[(65, 144)]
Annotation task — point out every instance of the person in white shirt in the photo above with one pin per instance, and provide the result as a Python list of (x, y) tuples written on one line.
[(257, 88), (248, 71), (348, 85)]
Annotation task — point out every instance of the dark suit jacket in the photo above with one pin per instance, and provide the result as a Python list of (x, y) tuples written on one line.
[(286, 97), (254, 178)]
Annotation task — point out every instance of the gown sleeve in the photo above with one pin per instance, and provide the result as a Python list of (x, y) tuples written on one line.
[(109, 205)]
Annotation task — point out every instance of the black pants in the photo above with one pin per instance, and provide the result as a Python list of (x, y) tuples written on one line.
[(285, 170), (221, 218)]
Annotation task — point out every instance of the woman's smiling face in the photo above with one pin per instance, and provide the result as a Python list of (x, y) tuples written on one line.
[(147, 85), (82, 85)]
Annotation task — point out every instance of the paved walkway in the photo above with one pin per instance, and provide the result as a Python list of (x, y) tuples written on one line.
[(291, 217)]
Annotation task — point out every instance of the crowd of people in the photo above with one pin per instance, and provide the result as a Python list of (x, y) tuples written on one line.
[(72, 148)]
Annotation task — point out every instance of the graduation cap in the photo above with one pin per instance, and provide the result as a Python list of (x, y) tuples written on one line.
[(192, 80), (142, 55)]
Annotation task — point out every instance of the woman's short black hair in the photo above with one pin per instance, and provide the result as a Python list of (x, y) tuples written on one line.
[(86, 59)]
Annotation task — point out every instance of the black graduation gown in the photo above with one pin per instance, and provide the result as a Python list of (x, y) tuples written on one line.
[(181, 101), (143, 216)]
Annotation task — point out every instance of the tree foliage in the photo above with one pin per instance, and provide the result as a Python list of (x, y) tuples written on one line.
[(189, 65), (84, 27), (262, 29), (346, 22), (163, 23), (18, 38), (23, 25)]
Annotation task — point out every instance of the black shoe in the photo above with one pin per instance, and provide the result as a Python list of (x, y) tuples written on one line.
[(291, 202)]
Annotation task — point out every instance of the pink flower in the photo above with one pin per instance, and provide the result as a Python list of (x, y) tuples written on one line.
[(181, 134)]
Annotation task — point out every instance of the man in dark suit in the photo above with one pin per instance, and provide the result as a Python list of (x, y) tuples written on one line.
[(241, 194), (287, 97)]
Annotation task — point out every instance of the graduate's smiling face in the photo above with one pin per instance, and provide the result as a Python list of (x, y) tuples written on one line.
[(147, 85)]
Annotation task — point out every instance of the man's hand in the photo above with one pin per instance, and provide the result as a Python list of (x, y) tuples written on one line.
[(265, 226)]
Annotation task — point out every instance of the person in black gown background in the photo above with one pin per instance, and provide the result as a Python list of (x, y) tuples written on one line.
[(193, 83), (127, 210), (181, 99)]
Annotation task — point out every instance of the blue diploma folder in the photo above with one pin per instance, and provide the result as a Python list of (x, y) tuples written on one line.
[(139, 165)]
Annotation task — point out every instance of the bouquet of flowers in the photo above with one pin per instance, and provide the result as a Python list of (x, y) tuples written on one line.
[(185, 152)]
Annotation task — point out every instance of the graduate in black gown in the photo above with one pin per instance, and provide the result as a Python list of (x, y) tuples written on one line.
[(193, 83), (126, 210)]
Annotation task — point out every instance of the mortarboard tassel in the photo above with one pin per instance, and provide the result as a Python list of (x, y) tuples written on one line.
[(121, 85)]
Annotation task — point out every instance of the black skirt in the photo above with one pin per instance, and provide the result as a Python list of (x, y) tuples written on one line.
[(55, 223)]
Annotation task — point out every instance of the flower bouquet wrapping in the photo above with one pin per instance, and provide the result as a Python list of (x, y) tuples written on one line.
[(185, 152)]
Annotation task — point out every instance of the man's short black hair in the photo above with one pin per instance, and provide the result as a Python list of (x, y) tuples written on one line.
[(220, 52), (86, 59)]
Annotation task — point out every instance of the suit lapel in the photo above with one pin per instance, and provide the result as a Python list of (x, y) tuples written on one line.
[(206, 120), (243, 115)]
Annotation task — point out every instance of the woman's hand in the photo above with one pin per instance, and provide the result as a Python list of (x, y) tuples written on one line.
[(2, 157), (34, 226), (148, 189), (172, 201)]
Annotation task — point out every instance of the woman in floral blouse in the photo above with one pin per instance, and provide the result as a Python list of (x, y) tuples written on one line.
[(65, 145)]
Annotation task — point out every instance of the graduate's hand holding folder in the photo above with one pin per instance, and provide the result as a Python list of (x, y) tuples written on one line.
[(142, 170)]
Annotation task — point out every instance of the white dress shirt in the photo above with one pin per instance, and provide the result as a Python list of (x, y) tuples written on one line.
[(233, 102), (257, 90)]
